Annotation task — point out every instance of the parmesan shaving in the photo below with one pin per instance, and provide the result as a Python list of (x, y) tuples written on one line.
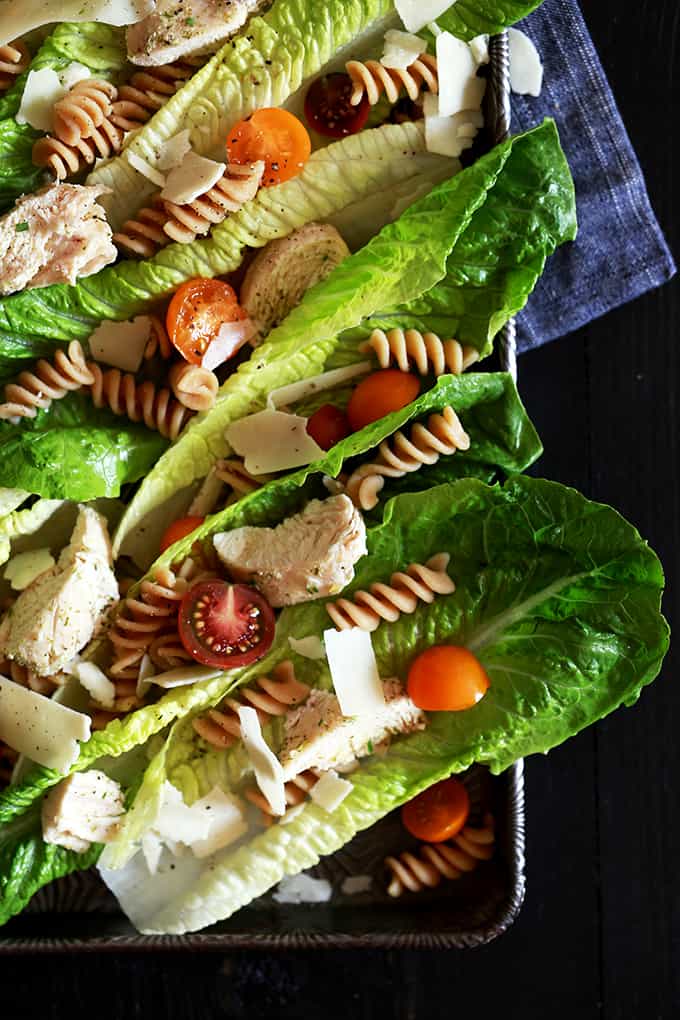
[(303, 889), (354, 671), (121, 344), (17, 17), (42, 90), (457, 73), (144, 168), (272, 441), (526, 69), (416, 14), (401, 49), (284, 396), (96, 683), (266, 766), (330, 791), (192, 178), (183, 676), (172, 152), (43, 730)]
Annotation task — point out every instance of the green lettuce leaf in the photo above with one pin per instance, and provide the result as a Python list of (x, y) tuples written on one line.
[(559, 598), (73, 450), (405, 261), (468, 18)]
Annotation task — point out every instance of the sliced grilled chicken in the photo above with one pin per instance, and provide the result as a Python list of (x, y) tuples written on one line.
[(86, 808), (184, 28)]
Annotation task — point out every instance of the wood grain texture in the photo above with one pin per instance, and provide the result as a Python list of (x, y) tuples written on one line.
[(599, 936)]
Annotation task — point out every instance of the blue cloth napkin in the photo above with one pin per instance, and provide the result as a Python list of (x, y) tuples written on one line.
[(620, 252)]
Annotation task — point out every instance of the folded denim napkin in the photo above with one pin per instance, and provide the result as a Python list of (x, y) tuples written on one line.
[(620, 252)]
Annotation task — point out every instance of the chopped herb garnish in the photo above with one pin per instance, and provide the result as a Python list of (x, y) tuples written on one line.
[(20, 227), (190, 21), (369, 745)]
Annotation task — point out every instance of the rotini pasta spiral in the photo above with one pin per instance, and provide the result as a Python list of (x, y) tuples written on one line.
[(25, 677), (165, 221), (194, 387), (372, 79), (233, 473), (138, 401), (159, 342), (419, 583), (426, 351), (49, 381), (400, 455), (83, 110), (270, 696), (437, 861), (296, 791), (65, 160), (14, 59), (148, 90)]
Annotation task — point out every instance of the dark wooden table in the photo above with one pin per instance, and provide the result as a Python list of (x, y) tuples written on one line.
[(599, 935)]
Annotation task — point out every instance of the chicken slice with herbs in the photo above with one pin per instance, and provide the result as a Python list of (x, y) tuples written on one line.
[(56, 616), (183, 28), (308, 556), (84, 809), (319, 736), (57, 235)]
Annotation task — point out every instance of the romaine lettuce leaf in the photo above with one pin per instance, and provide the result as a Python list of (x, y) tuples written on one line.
[(558, 596), (405, 261), (468, 18)]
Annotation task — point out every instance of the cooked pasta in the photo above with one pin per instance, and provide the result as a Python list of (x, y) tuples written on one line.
[(233, 473), (195, 387), (165, 221), (27, 678), (138, 401), (436, 861), (35, 390), (426, 352), (14, 59), (270, 696), (159, 342), (83, 110), (296, 791), (400, 455), (372, 79), (148, 90), (419, 583)]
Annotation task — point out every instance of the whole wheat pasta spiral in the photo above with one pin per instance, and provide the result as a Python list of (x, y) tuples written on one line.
[(270, 696), (195, 387), (25, 677), (48, 381), (426, 351), (419, 583), (372, 79), (296, 791), (83, 110), (400, 455), (14, 59), (65, 160), (138, 401), (159, 342), (437, 861), (148, 90), (165, 221), (233, 473)]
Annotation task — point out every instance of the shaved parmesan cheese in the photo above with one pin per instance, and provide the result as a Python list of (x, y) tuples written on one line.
[(526, 69), (449, 136), (330, 791), (72, 74), (354, 671), (145, 169), (146, 672), (284, 396), (121, 344), (46, 732), (457, 72), (291, 814), (308, 647), (401, 49), (227, 822), (42, 90), (354, 884), (183, 676), (95, 682), (23, 568), (303, 889), (273, 441), (479, 47), (230, 339), (172, 152), (20, 16), (178, 822), (266, 766), (416, 13), (152, 848), (193, 177)]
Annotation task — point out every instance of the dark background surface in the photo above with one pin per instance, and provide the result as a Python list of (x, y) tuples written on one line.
[(599, 934)]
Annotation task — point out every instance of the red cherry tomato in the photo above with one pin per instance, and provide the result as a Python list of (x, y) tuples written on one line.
[(196, 312), (379, 394), (328, 426), (179, 529), (438, 813), (225, 625), (328, 109), (275, 136), (447, 678)]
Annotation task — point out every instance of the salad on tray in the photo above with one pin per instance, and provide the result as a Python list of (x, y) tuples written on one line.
[(273, 568)]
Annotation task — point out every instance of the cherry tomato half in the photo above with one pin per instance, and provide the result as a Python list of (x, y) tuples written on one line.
[(379, 394), (275, 136), (328, 109), (225, 625), (179, 529), (447, 678), (438, 813), (328, 426), (196, 312)]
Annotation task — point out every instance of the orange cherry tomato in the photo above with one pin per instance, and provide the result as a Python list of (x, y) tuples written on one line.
[(275, 136), (379, 394), (179, 529), (196, 312), (446, 678), (328, 426), (438, 813)]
